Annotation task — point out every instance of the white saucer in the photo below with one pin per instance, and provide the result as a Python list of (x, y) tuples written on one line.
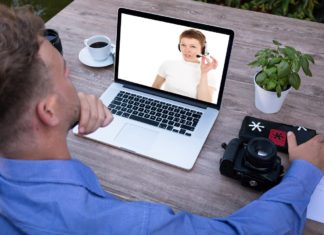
[(86, 58)]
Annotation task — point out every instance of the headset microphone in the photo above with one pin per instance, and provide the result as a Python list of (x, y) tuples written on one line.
[(201, 55)]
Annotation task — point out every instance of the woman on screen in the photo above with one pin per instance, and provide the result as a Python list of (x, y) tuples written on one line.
[(190, 76)]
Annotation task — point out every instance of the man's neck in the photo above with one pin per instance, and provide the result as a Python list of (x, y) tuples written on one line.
[(45, 149), (36, 155)]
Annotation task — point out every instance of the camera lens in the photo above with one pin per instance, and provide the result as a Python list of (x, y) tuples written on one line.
[(261, 153), (53, 37)]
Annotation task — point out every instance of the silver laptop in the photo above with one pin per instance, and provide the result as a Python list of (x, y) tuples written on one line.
[(168, 123)]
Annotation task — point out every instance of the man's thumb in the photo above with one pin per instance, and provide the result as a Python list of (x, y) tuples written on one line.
[(292, 143)]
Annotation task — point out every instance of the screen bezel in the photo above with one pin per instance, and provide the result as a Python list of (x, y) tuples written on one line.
[(186, 23)]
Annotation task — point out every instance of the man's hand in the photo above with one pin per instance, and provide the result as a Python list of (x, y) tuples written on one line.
[(93, 115), (312, 150)]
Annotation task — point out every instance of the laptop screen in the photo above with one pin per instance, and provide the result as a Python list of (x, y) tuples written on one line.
[(178, 57)]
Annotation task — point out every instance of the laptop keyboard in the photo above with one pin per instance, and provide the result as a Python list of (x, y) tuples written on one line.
[(156, 113)]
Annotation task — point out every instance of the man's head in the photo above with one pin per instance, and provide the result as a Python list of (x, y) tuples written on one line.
[(36, 97)]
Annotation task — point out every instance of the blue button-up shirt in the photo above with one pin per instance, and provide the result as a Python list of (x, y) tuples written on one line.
[(65, 197)]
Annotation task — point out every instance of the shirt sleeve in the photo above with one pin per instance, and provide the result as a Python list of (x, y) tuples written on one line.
[(162, 69), (281, 210), (212, 80)]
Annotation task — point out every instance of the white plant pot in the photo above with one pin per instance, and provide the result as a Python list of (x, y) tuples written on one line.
[(268, 101)]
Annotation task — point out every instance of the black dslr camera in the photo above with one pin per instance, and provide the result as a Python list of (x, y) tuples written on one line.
[(255, 163)]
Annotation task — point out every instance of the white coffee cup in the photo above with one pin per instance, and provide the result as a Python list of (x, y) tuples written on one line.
[(99, 47)]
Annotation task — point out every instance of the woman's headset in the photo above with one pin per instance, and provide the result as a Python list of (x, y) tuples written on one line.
[(204, 50)]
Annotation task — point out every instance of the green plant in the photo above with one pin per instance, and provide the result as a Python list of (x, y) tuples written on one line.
[(280, 67), (300, 9)]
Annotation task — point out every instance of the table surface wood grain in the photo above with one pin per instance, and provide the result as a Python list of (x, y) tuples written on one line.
[(203, 190)]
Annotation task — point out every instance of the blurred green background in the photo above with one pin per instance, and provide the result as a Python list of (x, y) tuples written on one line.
[(301, 9), (44, 8), (312, 10)]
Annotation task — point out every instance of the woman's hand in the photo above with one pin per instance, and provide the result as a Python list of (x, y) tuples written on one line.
[(208, 64)]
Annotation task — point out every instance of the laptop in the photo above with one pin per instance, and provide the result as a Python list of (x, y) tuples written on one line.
[(155, 122)]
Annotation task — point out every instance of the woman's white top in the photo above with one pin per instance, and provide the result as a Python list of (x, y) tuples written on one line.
[(182, 77)]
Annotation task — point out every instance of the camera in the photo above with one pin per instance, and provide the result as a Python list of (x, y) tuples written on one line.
[(255, 163), (54, 38)]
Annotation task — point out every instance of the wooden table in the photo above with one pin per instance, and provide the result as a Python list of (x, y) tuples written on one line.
[(203, 190)]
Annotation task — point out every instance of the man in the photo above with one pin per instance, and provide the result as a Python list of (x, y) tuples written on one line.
[(44, 191)]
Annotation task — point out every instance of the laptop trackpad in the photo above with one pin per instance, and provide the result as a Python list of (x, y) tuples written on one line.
[(136, 138)]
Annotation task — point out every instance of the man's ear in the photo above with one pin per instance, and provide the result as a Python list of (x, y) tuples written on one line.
[(47, 110)]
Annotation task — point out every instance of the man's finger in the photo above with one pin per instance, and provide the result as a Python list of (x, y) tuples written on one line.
[(292, 143), (84, 112), (108, 119), (320, 138)]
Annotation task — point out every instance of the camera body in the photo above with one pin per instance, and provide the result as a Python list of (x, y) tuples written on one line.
[(255, 163)]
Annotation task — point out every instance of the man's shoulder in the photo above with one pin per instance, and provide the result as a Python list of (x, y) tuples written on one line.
[(52, 173)]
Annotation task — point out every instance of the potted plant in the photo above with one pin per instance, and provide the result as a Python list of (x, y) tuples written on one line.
[(279, 72)]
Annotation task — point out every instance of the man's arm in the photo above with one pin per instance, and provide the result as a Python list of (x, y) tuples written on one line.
[(281, 210)]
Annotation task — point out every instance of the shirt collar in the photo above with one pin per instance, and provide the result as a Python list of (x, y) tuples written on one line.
[(51, 171)]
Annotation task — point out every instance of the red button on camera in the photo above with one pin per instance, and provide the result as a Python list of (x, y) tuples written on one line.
[(278, 137)]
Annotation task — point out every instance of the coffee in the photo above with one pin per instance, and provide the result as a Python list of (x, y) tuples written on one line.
[(99, 47), (98, 44)]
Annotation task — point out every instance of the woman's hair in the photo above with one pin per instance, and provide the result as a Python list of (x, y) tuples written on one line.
[(23, 74), (196, 34)]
